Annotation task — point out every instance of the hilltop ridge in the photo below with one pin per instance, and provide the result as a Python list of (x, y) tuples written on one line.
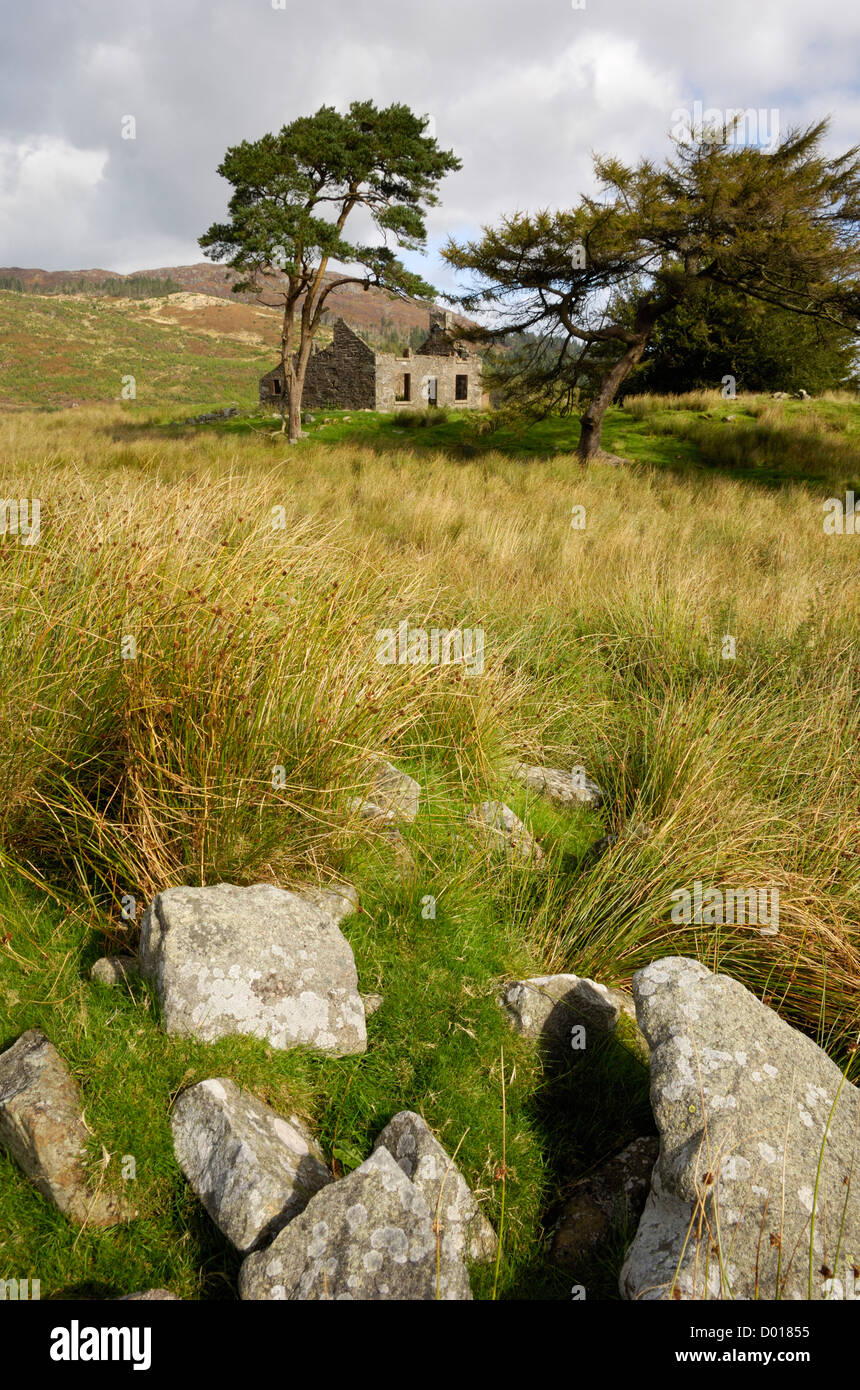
[(372, 310)]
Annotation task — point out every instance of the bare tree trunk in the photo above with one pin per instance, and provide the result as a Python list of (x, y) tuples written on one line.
[(592, 420)]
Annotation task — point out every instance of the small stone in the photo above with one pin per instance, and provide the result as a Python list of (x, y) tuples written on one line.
[(562, 788), (503, 827), (42, 1126), (116, 970), (261, 961), (616, 1192), (633, 830), (394, 795), (371, 810), (547, 1007), (150, 1296), (371, 1003), (466, 1232), (337, 899)]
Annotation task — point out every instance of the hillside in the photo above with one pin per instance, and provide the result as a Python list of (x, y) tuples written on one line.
[(372, 310), (59, 350), (62, 344)]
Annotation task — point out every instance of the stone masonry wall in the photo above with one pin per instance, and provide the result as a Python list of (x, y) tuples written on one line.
[(421, 367), (342, 375), (349, 375)]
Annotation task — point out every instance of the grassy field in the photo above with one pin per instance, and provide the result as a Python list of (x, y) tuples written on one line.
[(254, 577)]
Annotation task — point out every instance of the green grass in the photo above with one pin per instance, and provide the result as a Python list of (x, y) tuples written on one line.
[(767, 442), (434, 1046), (256, 648)]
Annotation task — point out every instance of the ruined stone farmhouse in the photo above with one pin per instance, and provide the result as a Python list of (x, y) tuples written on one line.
[(349, 375)]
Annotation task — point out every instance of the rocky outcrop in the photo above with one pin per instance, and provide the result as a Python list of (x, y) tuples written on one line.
[(465, 1231), (369, 1236), (252, 1169), (260, 960), (755, 1193), (504, 830), (562, 788), (42, 1126), (547, 1007)]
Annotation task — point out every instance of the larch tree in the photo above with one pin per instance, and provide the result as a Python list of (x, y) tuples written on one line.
[(780, 227)]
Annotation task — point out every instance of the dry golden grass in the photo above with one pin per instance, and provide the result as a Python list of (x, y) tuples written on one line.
[(256, 648)]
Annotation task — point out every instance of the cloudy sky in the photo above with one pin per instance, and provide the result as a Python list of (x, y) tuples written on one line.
[(523, 90)]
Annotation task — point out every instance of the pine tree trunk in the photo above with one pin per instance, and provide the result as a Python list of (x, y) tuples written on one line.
[(298, 367)]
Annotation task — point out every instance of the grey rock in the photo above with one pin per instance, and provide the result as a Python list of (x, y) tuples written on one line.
[(505, 829), (371, 1003), (631, 831), (604, 843), (367, 1237), (42, 1126), (252, 1170), (371, 810), (261, 961), (150, 1296), (562, 788), (747, 1108), (395, 791), (211, 415), (615, 1192), (337, 899), (466, 1232), (779, 396), (116, 970), (548, 1006), (394, 795)]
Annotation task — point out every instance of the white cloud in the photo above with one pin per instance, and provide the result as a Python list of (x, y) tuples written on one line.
[(524, 94), (47, 190)]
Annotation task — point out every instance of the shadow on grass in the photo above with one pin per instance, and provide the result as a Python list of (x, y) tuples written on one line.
[(768, 453), (589, 1107)]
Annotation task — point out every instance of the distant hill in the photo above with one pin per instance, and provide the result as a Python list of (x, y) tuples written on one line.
[(62, 350), (381, 317)]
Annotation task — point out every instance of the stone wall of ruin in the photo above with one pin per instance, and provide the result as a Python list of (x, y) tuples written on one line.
[(341, 376), (421, 367)]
